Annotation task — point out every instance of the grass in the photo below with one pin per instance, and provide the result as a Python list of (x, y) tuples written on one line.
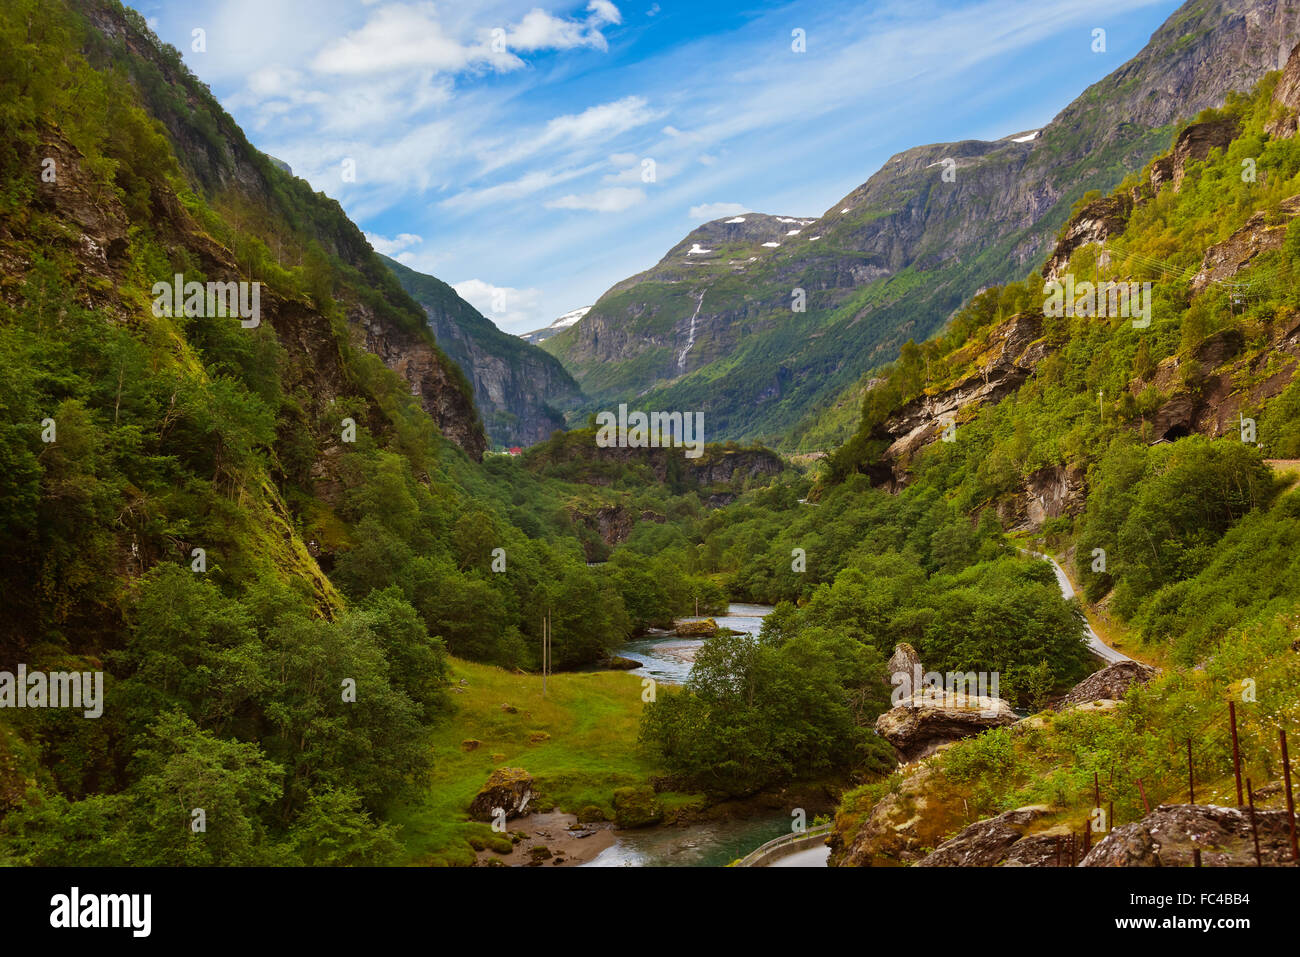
[(592, 719)]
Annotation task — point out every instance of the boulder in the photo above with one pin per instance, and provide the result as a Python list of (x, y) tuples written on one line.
[(1167, 836), (1109, 684), (918, 726), (508, 788), (904, 661), (990, 842), (697, 629), (636, 807)]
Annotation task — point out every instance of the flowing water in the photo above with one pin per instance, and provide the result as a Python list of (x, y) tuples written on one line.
[(713, 844), (667, 658)]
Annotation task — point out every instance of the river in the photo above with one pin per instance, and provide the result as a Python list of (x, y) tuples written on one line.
[(668, 659)]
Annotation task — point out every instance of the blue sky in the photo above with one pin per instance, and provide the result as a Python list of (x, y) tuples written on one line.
[(502, 146)]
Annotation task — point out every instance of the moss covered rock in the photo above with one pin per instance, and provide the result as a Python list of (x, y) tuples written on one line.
[(637, 807)]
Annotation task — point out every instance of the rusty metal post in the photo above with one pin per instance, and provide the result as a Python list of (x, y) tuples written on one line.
[(1096, 791), (1191, 782), (1196, 857), (1254, 827), (1290, 801), (1143, 791), (1236, 752), (1110, 817)]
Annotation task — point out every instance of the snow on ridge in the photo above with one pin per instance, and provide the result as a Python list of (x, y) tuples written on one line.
[(569, 318), (793, 232), (771, 245), (698, 250), (1027, 137), (738, 219)]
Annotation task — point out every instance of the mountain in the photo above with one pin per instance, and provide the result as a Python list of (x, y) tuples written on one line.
[(539, 336), (518, 388), (715, 326)]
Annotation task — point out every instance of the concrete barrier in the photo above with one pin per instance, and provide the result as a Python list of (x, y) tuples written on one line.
[(784, 846)]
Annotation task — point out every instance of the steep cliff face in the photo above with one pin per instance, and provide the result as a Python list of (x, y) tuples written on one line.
[(520, 391), (717, 324), (261, 199)]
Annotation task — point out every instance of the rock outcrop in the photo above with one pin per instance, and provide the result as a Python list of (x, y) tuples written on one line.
[(1002, 841), (918, 726), (1194, 144), (901, 826), (1168, 836), (1095, 223), (1015, 349), (1109, 684), (1286, 99), (1263, 232), (509, 789), (904, 661)]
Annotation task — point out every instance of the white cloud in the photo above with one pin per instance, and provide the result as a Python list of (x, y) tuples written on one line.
[(602, 11), (572, 130), (525, 185), (391, 247), (401, 36), (612, 200), (539, 30), (711, 211), (506, 306)]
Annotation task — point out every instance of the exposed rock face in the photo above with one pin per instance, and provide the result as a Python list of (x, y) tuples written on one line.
[(997, 841), (917, 727), (1195, 143), (417, 360), (520, 390), (612, 523), (1109, 684), (507, 788), (1286, 99), (1095, 223), (1014, 350), (1167, 836), (1054, 491), (1224, 260)]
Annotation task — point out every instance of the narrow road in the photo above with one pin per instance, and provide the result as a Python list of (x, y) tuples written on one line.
[(1098, 647)]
